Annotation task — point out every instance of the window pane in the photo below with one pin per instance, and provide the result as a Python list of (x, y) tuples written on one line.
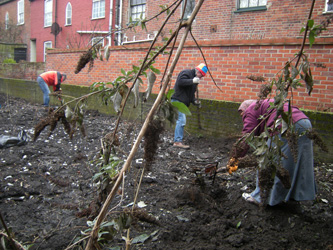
[(98, 9), (138, 9), (243, 3), (262, 2), (329, 5), (69, 14), (20, 12), (253, 3), (189, 8)]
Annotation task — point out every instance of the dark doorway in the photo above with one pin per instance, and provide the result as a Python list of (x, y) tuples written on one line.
[(20, 54)]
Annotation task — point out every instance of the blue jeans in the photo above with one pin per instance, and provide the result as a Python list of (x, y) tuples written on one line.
[(180, 124), (46, 91)]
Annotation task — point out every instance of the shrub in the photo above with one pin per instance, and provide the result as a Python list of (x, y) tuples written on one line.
[(9, 60)]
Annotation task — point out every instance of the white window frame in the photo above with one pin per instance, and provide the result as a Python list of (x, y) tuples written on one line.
[(47, 44), (20, 12), (97, 40), (48, 10), (328, 6), (137, 9), (7, 21), (68, 14), (189, 8), (251, 4), (98, 9)]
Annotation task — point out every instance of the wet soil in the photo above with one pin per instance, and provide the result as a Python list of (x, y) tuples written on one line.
[(47, 184)]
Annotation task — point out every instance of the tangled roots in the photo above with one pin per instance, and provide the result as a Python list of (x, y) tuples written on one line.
[(155, 128)]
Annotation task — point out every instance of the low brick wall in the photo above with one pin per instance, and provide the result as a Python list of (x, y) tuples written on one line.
[(22, 70), (217, 118)]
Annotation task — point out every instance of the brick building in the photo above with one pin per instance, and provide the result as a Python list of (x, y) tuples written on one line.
[(239, 38), (59, 23), (15, 28)]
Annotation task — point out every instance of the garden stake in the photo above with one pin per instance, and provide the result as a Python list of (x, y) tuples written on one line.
[(198, 108)]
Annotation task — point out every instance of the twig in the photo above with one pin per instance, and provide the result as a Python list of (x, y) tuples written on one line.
[(203, 56), (11, 241)]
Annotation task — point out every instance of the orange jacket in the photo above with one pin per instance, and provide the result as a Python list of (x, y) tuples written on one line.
[(52, 78)]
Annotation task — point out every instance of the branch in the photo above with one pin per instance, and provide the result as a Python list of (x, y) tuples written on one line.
[(203, 56), (103, 212)]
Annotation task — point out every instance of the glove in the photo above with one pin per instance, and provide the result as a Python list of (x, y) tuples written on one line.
[(196, 80), (232, 165), (197, 103)]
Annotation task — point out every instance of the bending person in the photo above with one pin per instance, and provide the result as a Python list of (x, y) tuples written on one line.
[(50, 78), (301, 170)]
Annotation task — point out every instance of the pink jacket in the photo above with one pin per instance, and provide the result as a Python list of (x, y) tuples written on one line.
[(251, 117)]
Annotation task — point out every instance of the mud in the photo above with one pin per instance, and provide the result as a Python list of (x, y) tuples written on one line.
[(46, 185)]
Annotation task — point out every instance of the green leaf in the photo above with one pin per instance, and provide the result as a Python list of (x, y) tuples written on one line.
[(140, 239), (310, 23), (170, 93), (294, 72), (182, 108), (97, 175), (90, 223), (311, 38), (155, 70), (135, 69), (302, 30), (123, 72)]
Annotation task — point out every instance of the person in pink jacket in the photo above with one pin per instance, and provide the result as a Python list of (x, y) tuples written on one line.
[(301, 170), (50, 78)]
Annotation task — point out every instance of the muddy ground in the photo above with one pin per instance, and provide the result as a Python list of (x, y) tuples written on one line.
[(47, 185)]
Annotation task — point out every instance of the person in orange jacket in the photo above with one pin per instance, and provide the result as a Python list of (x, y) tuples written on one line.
[(50, 78)]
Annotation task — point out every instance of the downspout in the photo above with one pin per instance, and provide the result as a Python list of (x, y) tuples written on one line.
[(55, 20), (120, 21), (110, 22)]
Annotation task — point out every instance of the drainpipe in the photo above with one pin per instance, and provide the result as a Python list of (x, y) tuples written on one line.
[(120, 21), (110, 22), (55, 20)]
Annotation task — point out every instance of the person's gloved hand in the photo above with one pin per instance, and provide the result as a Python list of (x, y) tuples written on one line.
[(232, 165), (196, 80), (197, 103)]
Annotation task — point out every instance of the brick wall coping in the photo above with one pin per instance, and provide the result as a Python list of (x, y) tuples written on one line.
[(212, 43)]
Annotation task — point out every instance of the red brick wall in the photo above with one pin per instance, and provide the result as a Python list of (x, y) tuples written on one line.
[(230, 65), (283, 18)]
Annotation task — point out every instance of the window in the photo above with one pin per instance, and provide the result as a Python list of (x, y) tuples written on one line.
[(98, 9), (188, 9), (48, 13), (7, 21), (97, 40), (20, 12), (138, 8), (46, 46), (69, 14), (251, 5), (329, 6)]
